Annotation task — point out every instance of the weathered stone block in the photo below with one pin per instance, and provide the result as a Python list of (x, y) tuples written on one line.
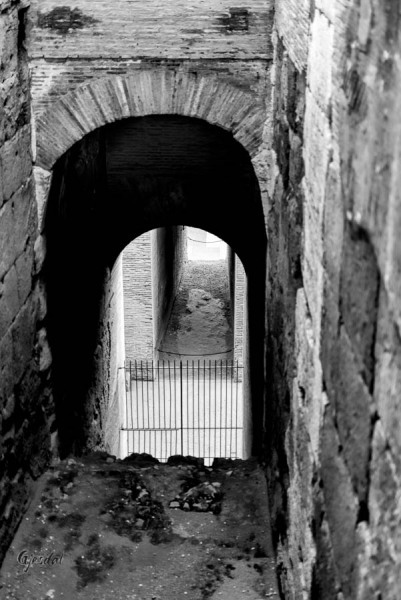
[(353, 405), (387, 386), (312, 262), (6, 353), (330, 333), (17, 223), (333, 227), (9, 300), (320, 60), (24, 268), (318, 137), (23, 335), (359, 296), (16, 162), (385, 518), (342, 507), (309, 378), (324, 583)]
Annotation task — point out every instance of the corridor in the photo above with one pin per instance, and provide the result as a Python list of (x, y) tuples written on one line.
[(276, 127), (200, 326)]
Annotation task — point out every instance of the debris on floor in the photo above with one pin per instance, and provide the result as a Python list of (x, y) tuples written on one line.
[(201, 321), (203, 497), (101, 528)]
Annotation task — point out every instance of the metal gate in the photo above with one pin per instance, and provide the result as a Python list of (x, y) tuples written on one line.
[(190, 408)]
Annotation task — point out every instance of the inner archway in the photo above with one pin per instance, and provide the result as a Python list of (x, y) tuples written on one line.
[(117, 183), (183, 297)]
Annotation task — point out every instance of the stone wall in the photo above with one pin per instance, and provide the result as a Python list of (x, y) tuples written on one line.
[(26, 403), (138, 304), (169, 254), (334, 353), (107, 392)]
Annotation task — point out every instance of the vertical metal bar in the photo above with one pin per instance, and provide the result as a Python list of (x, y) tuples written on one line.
[(193, 410), (142, 400), (209, 412), (137, 406), (170, 404), (226, 421), (143, 409), (148, 407), (221, 402), (164, 408), (231, 408), (210, 402), (204, 408), (215, 410), (160, 408), (152, 396), (143, 446), (126, 401), (199, 421), (187, 403), (175, 413), (236, 414), (136, 394), (181, 410)]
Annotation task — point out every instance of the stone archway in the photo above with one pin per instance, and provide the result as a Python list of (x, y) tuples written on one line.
[(162, 91), (205, 103)]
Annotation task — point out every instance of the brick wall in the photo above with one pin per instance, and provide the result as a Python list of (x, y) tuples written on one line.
[(334, 348), (72, 45), (138, 304), (239, 311), (152, 270), (210, 60), (26, 403)]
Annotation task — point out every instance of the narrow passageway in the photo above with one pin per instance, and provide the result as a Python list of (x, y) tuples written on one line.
[(200, 325), (141, 530)]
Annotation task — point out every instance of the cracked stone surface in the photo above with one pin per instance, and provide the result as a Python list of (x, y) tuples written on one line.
[(106, 529)]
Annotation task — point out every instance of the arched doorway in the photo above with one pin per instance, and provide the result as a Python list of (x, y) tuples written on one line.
[(183, 297), (117, 183)]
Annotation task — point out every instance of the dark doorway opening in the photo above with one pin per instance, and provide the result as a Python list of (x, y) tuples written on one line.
[(116, 184)]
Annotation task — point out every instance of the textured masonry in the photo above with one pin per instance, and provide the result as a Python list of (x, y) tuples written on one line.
[(27, 420), (334, 329), (313, 96), (138, 299)]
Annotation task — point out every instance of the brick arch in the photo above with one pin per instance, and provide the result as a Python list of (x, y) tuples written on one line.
[(110, 99)]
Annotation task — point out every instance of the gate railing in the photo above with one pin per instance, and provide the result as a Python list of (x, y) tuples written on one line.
[(190, 408)]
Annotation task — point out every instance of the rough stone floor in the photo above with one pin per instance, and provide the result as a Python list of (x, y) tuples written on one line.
[(139, 529), (200, 323)]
